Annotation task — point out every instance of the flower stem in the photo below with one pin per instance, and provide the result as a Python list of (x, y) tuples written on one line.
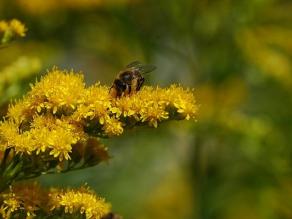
[(9, 173)]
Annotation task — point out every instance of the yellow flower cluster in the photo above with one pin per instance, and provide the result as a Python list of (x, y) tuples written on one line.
[(10, 205), (153, 105), (11, 29), (45, 134), (23, 199), (57, 90), (60, 111), (82, 200), (30, 200)]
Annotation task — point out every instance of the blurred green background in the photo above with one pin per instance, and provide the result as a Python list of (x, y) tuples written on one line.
[(235, 161)]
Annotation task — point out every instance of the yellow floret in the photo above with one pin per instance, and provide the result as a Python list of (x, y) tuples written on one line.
[(112, 127)]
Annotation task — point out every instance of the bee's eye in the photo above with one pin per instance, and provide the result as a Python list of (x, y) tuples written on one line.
[(127, 77)]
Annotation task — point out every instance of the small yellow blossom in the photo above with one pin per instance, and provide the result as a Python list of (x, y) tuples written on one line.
[(112, 127), (153, 114), (30, 196), (11, 138), (81, 201), (11, 29), (10, 205), (183, 100), (125, 106), (17, 27), (19, 111)]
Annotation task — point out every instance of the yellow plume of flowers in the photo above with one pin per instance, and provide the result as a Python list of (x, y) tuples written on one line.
[(28, 200), (11, 29), (81, 200), (56, 128), (60, 111)]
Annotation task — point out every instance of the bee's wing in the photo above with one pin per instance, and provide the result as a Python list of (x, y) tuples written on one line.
[(134, 64), (144, 69)]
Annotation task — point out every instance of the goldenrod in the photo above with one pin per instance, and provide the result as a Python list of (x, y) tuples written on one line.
[(55, 128), (27, 200), (60, 111)]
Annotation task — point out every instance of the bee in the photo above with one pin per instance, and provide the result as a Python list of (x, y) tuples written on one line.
[(130, 80)]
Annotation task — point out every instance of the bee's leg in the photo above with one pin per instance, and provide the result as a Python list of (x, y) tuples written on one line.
[(113, 91), (133, 86), (129, 89), (140, 83)]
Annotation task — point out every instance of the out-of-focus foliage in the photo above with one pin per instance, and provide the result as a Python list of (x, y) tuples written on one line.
[(236, 160), (39, 7), (14, 76)]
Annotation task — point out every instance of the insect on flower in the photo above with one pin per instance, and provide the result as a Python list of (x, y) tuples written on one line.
[(130, 80)]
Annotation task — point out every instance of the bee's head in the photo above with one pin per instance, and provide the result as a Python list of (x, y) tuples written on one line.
[(126, 76), (129, 75)]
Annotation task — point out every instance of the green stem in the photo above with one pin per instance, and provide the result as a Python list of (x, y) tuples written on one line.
[(3, 161), (6, 37), (3, 184), (10, 173)]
